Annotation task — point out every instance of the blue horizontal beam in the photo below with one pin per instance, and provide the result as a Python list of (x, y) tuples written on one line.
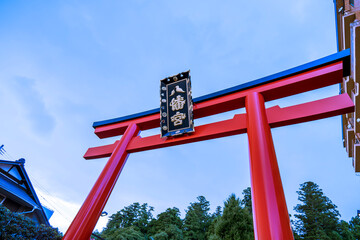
[(339, 56)]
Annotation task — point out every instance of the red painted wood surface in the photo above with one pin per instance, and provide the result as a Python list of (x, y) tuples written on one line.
[(317, 78), (277, 117), (89, 213), (270, 214), (271, 219)]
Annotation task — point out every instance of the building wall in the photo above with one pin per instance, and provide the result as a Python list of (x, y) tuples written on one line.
[(348, 35)]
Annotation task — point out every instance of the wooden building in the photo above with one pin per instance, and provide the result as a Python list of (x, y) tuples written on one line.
[(17, 193), (347, 16)]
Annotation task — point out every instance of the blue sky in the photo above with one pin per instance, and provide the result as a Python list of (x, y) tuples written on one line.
[(66, 64)]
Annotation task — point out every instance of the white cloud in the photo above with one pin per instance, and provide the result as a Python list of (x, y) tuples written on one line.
[(64, 211), (31, 104)]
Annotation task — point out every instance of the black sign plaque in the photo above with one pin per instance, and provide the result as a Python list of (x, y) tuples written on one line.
[(176, 106)]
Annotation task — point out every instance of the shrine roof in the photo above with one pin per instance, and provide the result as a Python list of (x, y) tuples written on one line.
[(15, 184)]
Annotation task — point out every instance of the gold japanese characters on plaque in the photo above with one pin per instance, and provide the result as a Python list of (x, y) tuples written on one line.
[(176, 105)]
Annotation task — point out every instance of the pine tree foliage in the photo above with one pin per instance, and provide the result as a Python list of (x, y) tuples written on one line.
[(318, 217), (171, 232), (129, 221), (218, 212), (344, 231), (355, 227), (246, 201), (168, 225), (197, 220), (127, 233), (235, 222)]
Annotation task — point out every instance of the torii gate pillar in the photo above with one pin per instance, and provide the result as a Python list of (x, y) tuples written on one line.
[(271, 217), (89, 213)]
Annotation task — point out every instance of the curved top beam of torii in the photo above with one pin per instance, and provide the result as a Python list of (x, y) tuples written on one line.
[(317, 74), (227, 100), (343, 56)]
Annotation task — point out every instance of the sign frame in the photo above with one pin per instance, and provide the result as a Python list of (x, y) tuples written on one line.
[(176, 105)]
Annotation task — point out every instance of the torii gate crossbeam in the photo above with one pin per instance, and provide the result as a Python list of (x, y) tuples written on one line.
[(271, 219)]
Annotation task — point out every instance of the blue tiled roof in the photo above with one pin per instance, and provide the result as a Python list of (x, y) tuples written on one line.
[(10, 188), (24, 193)]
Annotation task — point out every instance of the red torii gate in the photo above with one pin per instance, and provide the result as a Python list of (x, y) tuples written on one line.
[(271, 218)]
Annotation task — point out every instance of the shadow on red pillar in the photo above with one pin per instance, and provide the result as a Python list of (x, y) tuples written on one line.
[(89, 213), (271, 217)]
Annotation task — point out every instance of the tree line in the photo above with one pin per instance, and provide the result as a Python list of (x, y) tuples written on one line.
[(316, 218)]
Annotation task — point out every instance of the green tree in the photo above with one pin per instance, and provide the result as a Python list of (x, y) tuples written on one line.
[(14, 226), (355, 227), (161, 236), (167, 226), (246, 201), (235, 222), (127, 233), (217, 213), (129, 221), (344, 231), (318, 217), (171, 232), (197, 220)]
